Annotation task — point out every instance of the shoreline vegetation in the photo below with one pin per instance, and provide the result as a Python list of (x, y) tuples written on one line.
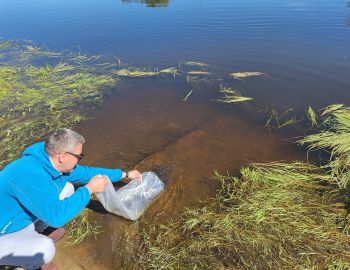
[(42, 91), (272, 216)]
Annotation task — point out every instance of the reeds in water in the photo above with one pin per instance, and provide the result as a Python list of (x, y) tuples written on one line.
[(248, 74), (232, 96), (277, 120), (197, 64), (138, 73), (312, 116), (334, 137), (135, 73)]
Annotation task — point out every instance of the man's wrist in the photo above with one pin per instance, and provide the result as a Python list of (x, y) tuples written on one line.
[(89, 189), (126, 174)]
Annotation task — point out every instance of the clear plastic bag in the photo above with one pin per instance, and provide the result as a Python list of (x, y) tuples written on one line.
[(131, 200)]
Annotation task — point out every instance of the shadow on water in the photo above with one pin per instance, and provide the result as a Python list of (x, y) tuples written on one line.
[(149, 3), (21, 261)]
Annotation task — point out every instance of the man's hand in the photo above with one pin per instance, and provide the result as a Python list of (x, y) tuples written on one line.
[(134, 174), (97, 183)]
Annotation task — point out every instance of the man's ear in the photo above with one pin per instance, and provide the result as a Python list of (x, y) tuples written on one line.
[(61, 157)]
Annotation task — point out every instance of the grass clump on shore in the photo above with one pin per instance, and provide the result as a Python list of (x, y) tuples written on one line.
[(274, 216), (334, 138)]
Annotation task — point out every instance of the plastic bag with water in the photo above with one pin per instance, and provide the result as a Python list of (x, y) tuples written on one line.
[(131, 200)]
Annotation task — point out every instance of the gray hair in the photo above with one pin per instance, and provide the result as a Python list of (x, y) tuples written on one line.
[(63, 140)]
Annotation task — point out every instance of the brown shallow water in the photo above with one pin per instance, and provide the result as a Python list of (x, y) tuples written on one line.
[(146, 125)]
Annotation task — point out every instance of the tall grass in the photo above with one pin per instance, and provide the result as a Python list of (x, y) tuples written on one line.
[(274, 216), (334, 137)]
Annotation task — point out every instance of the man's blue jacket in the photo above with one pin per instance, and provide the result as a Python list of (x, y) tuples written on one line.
[(30, 188)]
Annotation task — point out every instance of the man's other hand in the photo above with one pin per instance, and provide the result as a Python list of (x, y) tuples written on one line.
[(97, 183), (134, 174)]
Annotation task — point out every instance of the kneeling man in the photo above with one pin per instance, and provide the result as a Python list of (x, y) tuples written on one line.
[(36, 192)]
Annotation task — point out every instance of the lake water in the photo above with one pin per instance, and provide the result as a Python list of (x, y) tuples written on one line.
[(304, 46)]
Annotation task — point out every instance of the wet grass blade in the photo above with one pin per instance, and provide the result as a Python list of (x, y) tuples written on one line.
[(312, 116), (244, 75)]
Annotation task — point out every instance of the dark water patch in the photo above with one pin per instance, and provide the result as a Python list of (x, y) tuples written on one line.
[(149, 3)]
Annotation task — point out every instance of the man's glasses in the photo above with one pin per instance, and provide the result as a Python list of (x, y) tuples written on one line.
[(79, 157)]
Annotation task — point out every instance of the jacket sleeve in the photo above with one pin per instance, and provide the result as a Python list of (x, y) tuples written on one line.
[(83, 174), (40, 196)]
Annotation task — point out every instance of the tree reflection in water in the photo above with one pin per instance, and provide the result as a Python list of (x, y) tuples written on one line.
[(348, 5), (149, 3)]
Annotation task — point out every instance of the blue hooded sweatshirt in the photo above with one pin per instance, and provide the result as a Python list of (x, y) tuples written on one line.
[(30, 188)]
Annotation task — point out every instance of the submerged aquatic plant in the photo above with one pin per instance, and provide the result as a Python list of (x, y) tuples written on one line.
[(81, 227), (6, 44), (277, 120), (231, 96)]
